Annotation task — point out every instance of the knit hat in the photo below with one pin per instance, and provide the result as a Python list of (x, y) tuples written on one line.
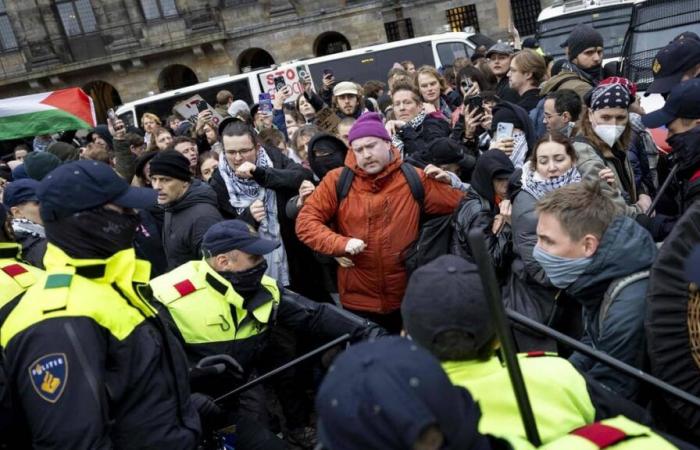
[(608, 96), (39, 164), (582, 37), (369, 124), (171, 163), (19, 172), (64, 151), (103, 132), (142, 160)]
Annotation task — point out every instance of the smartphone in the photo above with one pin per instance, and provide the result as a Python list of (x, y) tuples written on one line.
[(279, 83), (202, 105), (265, 103), (327, 73), (504, 130), (110, 114), (475, 103)]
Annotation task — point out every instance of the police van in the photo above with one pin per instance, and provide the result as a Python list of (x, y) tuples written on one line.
[(359, 65), (610, 17)]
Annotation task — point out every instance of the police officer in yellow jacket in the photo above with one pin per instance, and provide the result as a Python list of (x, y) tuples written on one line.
[(90, 364), (16, 276), (225, 304), (455, 325)]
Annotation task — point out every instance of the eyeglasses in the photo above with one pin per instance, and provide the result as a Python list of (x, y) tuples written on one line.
[(239, 152)]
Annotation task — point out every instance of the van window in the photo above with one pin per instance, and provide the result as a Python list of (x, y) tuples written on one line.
[(373, 65), (449, 51)]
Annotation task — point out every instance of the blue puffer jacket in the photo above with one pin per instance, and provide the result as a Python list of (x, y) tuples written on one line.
[(626, 248)]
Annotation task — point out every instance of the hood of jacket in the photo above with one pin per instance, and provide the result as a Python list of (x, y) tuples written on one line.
[(626, 248), (556, 81), (321, 165), (394, 164), (198, 192), (489, 164)]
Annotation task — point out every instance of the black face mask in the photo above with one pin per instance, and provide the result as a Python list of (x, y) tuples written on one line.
[(323, 164), (94, 234), (686, 151), (246, 281)]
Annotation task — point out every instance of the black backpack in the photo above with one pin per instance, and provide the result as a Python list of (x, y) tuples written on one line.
[(435, 233)]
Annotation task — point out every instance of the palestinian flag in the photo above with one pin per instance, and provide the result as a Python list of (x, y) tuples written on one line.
[(47, 113)]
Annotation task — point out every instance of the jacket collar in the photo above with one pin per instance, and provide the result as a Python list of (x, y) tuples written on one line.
[(10, 250), (461, 370), (122, 267)]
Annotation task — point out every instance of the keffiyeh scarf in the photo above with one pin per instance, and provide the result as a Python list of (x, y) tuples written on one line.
[(242, 193), (24, 226), (413, 123), (538, 187)]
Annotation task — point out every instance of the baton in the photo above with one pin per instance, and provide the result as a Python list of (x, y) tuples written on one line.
[(663, 187), (254, 382), (604, 358), (493, 295)]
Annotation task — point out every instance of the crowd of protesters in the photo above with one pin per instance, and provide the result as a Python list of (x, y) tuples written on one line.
[(274, 232)]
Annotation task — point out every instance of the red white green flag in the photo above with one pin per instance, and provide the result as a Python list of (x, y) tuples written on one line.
[(47, 113)]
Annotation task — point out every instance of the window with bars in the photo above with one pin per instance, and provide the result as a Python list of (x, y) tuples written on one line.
[(8, 41), (525, 14), (158, 9), (463, 16), (77, 17), (398, 30)]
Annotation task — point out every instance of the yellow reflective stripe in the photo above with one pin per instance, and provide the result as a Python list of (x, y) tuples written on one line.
[(84, 298)]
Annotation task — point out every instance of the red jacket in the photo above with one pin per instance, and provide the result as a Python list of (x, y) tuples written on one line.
[(380, 210)]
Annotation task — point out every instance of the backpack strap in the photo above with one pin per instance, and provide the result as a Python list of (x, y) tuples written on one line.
[(614, 290), (344, 182), (413, 180)]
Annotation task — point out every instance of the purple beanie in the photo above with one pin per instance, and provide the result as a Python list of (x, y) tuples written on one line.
[(369, 124)]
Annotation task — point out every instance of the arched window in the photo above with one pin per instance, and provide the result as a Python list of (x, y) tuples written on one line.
[(254, 58), (329, 43), (176, 76)]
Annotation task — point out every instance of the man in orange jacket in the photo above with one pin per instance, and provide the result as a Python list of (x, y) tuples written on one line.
[(369, 229)]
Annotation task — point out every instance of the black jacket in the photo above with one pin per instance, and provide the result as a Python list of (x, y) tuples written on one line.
[(91, 364), (480, 209), (284, 178), (186, 221), (418, 140), (33, 248), (530, 99), (505, 92)]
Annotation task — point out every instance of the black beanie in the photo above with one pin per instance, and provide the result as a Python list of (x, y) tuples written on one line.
[(583, 37), (444, 151), (503, 113), (171, 163), (39, 164)]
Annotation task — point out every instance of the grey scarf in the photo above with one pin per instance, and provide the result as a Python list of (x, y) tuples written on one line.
[(413, 123), (242, 193)]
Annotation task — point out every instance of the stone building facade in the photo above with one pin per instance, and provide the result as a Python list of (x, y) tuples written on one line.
[(121, 50)]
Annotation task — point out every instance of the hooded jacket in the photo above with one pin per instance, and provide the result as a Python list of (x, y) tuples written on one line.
[(186, 221), (625, 248), (380, 210), (480, 208)]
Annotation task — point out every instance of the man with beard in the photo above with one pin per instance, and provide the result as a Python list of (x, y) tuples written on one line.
[(347, 100)]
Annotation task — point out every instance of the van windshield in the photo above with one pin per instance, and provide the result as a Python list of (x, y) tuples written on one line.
[(612, 23)]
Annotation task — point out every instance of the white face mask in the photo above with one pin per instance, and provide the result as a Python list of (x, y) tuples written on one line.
[(609, 133)]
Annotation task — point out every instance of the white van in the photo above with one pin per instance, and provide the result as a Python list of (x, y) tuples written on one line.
[(359, 65)]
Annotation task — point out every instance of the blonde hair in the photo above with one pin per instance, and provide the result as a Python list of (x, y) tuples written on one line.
[(432, 71), (528, 61), (151, 116)]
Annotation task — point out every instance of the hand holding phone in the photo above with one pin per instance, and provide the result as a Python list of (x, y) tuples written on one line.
[(504, 130), (202, 105), (279, 83)]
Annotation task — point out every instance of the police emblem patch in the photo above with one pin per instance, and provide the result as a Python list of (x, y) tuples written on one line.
[(656, 66), (49, 375)]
